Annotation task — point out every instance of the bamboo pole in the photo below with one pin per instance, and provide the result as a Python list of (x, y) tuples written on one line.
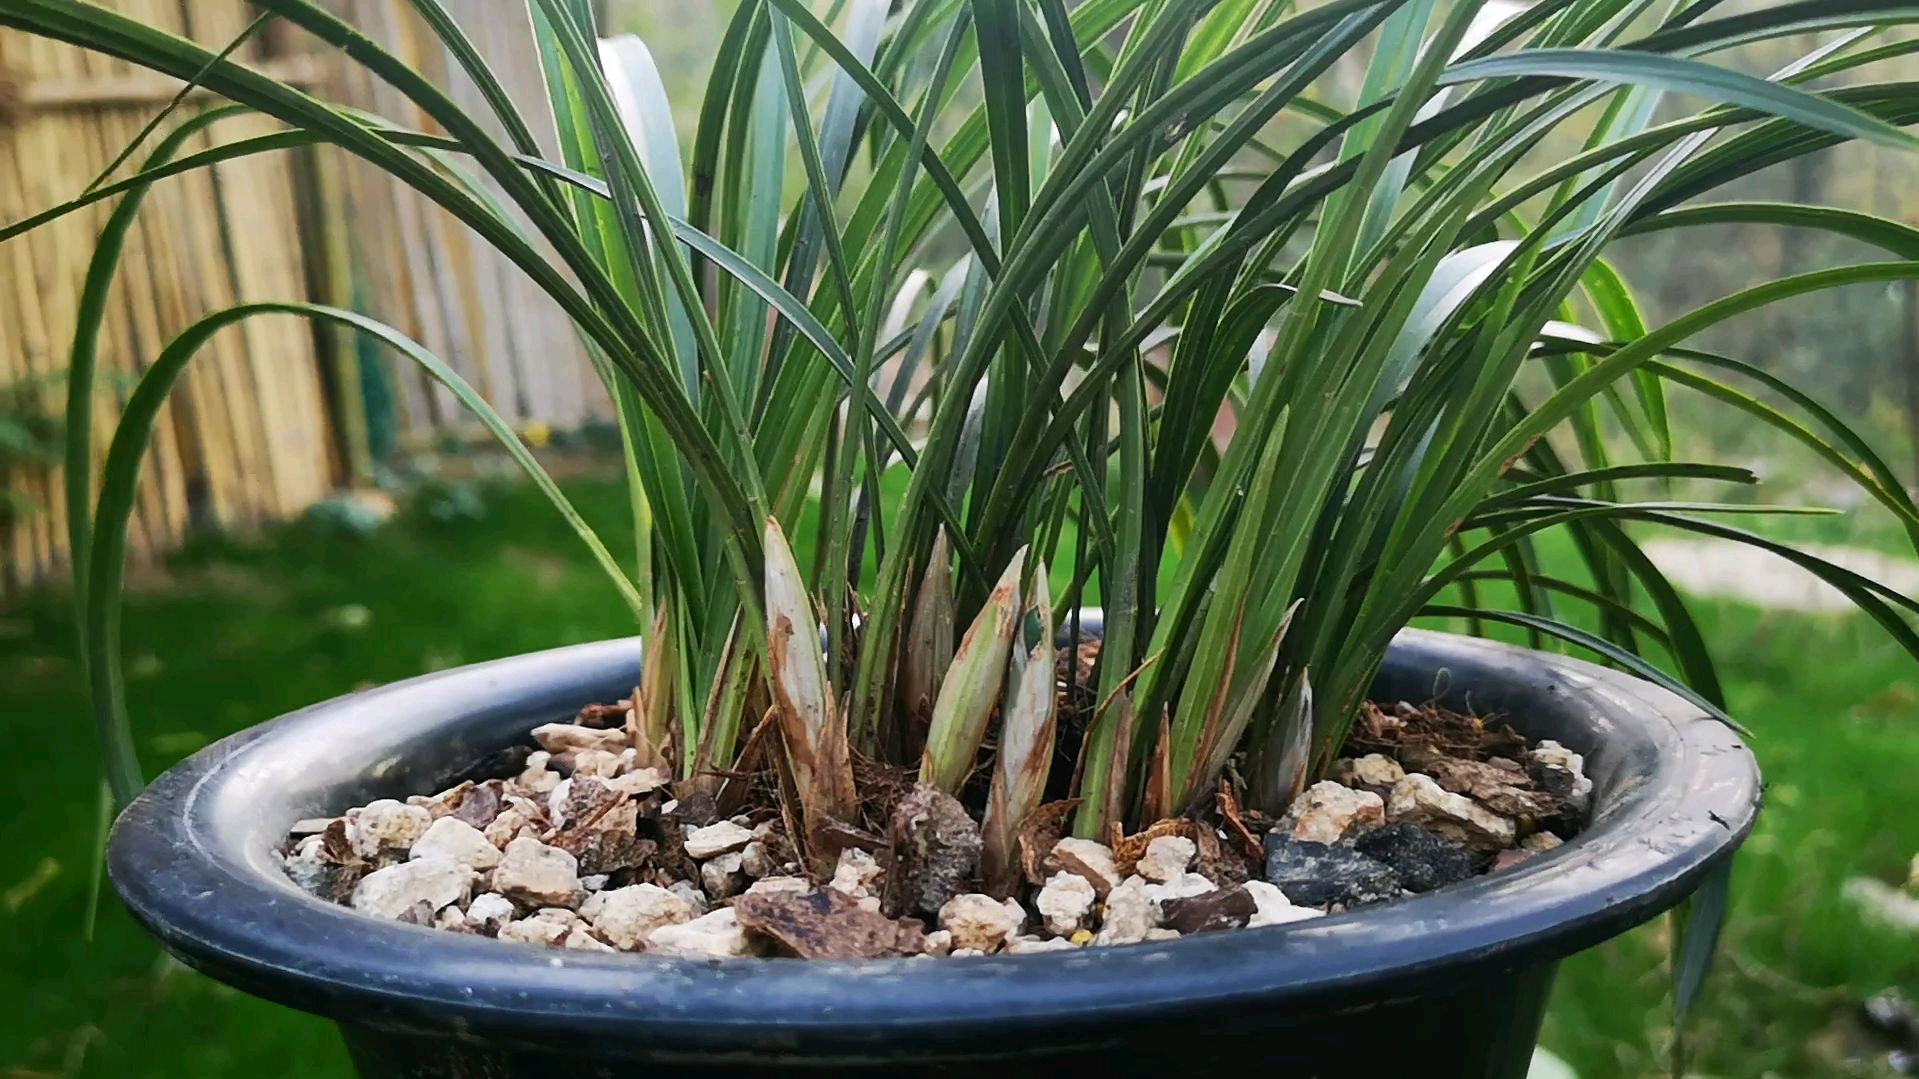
[(141, 89), (39, 168), (134, 333)]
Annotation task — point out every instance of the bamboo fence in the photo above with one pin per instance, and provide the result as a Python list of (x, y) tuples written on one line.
[(272, 415), (245, 437), (429, 275)]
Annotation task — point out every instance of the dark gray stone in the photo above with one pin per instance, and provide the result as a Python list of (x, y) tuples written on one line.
[(1421, 860), (1316, 874)]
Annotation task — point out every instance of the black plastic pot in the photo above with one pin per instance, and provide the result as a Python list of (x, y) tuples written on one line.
[(1448, 984)]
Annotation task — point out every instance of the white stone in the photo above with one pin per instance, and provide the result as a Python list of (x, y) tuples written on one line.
[(1374, 772), (1065, 903), (533, 874), (595, 882), (1273, 908), (1032, 945), (721, 876), (507, 827), (1549, 752), (547, 927), (450, 917), (556, 801), (1419, 799), (537, 776), (965, 953), (1552, 754), (560, 737), (638, 781), (626, 915), (1540, 841), (779, 886), (856, 873), (391, 892), (716, 935), (1160, 932), (938, 942), (1128, 914), (1088, 859), (385, 825), (596, 763), (755, 862), (488, 912), (456, 841), (725, 837), (980, 921), (582, 939), (1329, 813), (1166, 858), (1187, 886), (690, 892)]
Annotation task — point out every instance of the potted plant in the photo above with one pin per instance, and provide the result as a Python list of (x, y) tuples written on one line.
[(1036, 252)]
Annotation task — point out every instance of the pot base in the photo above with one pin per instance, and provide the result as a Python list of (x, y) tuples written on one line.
[(1480, 1029)]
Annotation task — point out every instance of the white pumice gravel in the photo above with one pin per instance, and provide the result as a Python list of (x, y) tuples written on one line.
[(717, 839), (533, 874), (1166, 858), (1065, 903), (577, 847), (397, 889), (385, 825), (456, 841), (716, 935), (1128, 913), (979, 921)]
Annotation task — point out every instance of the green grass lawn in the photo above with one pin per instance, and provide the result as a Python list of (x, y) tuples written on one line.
[(235, 634)]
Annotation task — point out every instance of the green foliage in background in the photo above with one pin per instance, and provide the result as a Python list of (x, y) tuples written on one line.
[(30, 438)]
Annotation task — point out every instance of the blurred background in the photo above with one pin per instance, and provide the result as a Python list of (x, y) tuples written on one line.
[(315, 519)]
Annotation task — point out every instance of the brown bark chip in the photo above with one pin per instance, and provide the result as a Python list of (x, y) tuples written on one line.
[(1410, 730), (603, 716), (481, 804), (1039, 833), (1229, 813), (1127, 850), (1220, 862), (608, 841), (825, 924)]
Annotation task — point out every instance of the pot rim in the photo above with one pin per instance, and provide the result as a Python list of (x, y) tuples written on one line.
[(192, 857)]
